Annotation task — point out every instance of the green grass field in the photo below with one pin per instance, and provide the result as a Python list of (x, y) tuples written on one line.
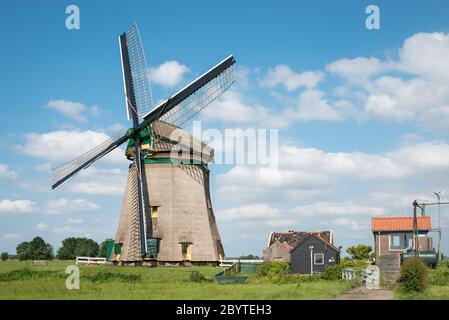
[(114, 282), (432, 293)]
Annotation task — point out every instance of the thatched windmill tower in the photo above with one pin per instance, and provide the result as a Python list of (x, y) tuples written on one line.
[(180, 223), (167, 215)]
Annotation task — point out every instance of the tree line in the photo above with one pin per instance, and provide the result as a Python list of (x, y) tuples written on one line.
[(72, 247)]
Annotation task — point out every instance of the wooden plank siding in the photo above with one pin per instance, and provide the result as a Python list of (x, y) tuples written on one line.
[(300, 255)]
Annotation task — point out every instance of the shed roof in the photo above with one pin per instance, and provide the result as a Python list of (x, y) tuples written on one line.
[(293, 238), (399, 223), (319, 238)]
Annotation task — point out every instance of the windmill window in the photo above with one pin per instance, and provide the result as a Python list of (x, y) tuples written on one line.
[(186, 251), (318, 258), (154, 212), (153, 247)]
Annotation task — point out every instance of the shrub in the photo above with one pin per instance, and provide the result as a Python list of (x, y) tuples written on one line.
[(273, 271), (196, 276), (440, 276), (262, 269), (444, 263), (332, 272), (4, 256), (414, 275)]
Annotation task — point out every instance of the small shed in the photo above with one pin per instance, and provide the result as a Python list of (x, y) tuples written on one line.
[(313, 255)]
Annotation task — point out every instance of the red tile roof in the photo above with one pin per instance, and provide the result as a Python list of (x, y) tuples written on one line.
[(399, 223)]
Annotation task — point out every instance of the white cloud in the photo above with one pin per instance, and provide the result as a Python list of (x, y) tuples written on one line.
[(44, 167), (74, 110), (312, 106), (42, 226), (249, 216), (307, 173), (6, 172), (425, 54), (329, 209), (16, 206), (357, 69), (231, 104), (416, 92), (96, 181), (350, 224), (63, 206), (168, 74), (66, 145), (252, 211), (283, 75), (95, 233), (74, 221), (12, 237)]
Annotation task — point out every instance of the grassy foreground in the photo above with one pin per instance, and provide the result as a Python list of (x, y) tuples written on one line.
[(432, 293), (22, 280)]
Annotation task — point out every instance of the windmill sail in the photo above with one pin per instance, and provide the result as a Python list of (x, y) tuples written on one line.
[(193, 98), (136, 68), (199, 99), (71, 168)]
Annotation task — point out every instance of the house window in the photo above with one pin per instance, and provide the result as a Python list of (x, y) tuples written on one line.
[(154, 211), (318, 258), (401, 241), (186, 251), (153, 246)]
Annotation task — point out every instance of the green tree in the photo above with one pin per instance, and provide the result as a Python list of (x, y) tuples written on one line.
[(360, 252), (4, 256), (77, 247), (36, 249), (103, 246)]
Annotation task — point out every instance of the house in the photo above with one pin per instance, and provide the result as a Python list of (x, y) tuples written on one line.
[(394, 235), (307, 252)]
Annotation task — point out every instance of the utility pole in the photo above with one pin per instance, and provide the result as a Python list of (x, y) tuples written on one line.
[(311, 259), (415, 229), (439, 223), (423, 206)]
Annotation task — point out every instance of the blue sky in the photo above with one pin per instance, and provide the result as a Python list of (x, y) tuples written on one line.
[(362, 114)]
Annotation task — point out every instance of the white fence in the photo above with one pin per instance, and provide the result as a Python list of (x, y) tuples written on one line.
[(348, 274), (230, 262), (90, 260)]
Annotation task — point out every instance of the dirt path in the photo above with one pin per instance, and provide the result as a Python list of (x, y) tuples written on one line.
[(363, 293)]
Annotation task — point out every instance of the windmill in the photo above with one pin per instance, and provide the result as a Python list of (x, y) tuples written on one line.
[(167, 213)]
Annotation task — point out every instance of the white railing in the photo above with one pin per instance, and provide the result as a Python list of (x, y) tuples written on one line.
[(90, 260), (230, 262), (348, 274)]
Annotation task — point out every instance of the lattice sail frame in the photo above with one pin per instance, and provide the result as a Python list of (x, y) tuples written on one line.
[(189, 107), (139, 72), (200, 99), (64, 170)]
